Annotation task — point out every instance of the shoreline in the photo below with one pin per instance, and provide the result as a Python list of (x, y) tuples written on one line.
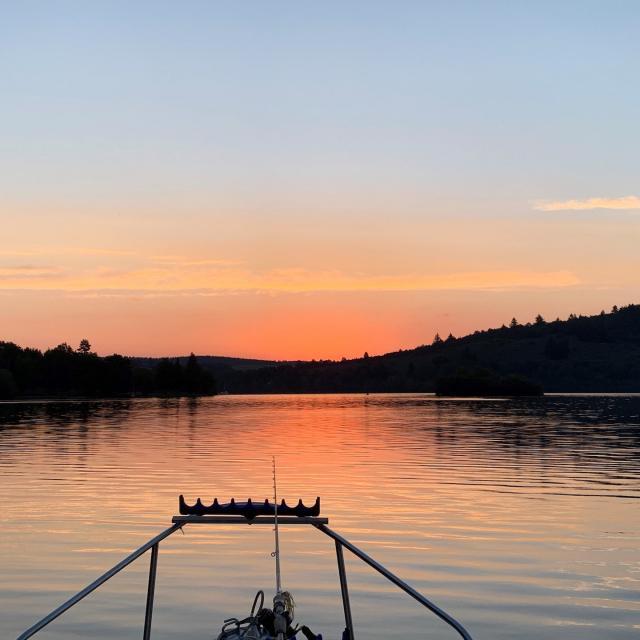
[(429, 394)]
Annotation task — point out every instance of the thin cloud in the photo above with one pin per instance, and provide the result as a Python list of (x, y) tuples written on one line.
[(181, 261), (624, 203), (214, 280), (302, 280), (94, 251), (66, 251), (29, 272), (19, 254)]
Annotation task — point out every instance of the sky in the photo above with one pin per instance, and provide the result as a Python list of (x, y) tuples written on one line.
[(313, 180)]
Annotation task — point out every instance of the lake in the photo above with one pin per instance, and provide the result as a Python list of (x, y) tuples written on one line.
[(519, 517)]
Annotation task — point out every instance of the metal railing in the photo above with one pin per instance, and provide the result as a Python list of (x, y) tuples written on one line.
[(343, 542), (151, 544), (180, 521)]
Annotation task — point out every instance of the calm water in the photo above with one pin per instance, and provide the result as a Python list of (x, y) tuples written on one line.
[(519, 517)]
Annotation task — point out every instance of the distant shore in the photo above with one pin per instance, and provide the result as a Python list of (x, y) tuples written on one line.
[(582, 354)]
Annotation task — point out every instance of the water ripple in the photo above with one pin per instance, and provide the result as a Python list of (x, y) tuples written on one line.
[(519, 516)]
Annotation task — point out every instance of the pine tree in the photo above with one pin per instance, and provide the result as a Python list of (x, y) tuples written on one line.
[(85, 346)]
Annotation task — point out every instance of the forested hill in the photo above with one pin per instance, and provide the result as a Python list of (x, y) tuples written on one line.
[(215, 364), (583, 353)]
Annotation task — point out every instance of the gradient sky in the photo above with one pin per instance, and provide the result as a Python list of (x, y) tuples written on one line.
[(313, 180)]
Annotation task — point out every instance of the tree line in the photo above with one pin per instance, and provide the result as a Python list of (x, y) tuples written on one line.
[(64, 371), (582, 353)]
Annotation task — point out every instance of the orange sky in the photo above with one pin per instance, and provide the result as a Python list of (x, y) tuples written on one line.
[(306, 183), (330, 289)]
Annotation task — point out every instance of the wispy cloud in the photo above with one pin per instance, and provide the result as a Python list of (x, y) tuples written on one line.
[(182, 261), (29, 272), (94, 251), (66, 251), (201, 279), (626, 202), (303, 280)]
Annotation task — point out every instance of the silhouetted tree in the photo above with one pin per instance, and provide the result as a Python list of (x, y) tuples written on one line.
[(143, 381), (8, 387), (65, 371), (539, 319), (195, 378), (437, 339), (63, 348), (59, 369), (513, 324), (169, 376), (116, 375), (85, 346)]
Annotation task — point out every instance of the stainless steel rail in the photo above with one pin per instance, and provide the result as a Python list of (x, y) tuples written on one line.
[(180, 521), (101, 580), (343, 542), (346, 603), (151, 589)]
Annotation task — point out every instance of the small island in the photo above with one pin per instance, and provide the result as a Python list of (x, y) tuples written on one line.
[(482, 382)]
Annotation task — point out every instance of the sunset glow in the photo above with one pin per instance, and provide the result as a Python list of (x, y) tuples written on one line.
[(300, 190), (385, 254)]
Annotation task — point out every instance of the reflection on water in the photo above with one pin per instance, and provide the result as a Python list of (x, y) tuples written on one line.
[(520, 517)]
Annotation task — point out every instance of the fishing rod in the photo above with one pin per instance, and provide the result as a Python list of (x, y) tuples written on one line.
[(282, 601), (276, 553)]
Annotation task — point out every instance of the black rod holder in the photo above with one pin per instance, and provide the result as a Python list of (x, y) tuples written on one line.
[(248, 509)]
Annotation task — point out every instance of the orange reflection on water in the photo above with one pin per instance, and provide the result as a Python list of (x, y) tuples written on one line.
[(504, 512)]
